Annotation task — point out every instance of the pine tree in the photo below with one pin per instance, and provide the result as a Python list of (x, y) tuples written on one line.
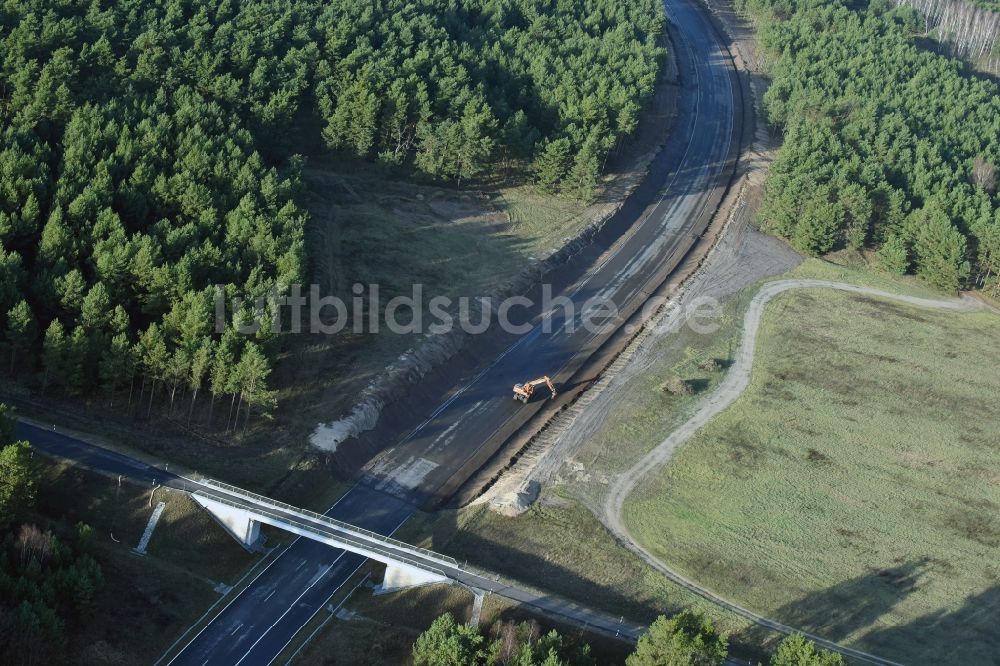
[(796, 650), (96, 308), (201, 361), (858, 212), (17, 481), (447, 643), (939, 248), (21, 331), (518, 137), (687, 638), (71, 288), (77, 360), (153, 355), (476, 142), (223, 367), (819, 224), (551, 164), (11, 276), (7, 420), (582, 178), (252, 372), (118, 322), (115, 367), (893, 255), (29, 217), (54, 349), (176, 372), (56, 242)]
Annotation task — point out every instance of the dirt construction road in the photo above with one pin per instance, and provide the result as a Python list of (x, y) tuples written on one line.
[(736, 381)]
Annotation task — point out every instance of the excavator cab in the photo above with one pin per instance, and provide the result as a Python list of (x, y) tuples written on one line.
[(523, 392)]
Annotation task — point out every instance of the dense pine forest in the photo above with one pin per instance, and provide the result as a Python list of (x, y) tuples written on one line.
[(148, 154), (886, 145)]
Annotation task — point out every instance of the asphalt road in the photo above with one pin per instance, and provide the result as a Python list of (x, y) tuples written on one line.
[(256, 626), (59, 445), (473, 417)]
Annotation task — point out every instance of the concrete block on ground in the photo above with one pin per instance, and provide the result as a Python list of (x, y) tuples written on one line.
[(150, 526)]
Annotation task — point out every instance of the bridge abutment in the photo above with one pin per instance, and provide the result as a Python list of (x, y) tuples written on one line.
[(400, 576), (240, 524)]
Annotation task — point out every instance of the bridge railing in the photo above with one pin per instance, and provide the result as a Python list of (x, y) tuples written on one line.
[(379, 548), (374, 536)]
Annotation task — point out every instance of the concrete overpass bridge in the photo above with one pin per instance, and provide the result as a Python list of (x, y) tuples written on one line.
[(241, 513)]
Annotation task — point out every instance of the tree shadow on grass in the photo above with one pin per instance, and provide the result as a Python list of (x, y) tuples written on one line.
[(838, 611), (518, 562), (968, 635), (699, 384)]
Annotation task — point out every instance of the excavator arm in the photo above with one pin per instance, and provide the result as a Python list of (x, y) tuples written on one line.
[(524, 391)]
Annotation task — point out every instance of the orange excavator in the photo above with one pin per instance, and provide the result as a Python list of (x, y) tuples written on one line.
[(523, 392)]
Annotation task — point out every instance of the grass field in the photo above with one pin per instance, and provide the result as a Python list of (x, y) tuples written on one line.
[(854, 489), (642, 414), (373, 630)]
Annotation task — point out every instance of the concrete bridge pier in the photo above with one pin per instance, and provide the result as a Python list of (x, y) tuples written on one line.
[(240, 524), (400, 576)]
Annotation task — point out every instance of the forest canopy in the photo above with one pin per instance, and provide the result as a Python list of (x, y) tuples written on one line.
[(886, 145), (148, 152)]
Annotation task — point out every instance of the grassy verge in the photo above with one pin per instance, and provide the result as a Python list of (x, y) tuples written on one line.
[(371, 629), (853, 489), (146, 601)]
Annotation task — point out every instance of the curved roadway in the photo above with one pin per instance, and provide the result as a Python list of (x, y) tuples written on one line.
[(470, 420)]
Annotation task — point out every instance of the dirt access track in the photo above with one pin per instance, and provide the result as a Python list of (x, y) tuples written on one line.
[(460, 419)]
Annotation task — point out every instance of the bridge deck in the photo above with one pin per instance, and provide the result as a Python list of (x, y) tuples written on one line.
[(312, 525)]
